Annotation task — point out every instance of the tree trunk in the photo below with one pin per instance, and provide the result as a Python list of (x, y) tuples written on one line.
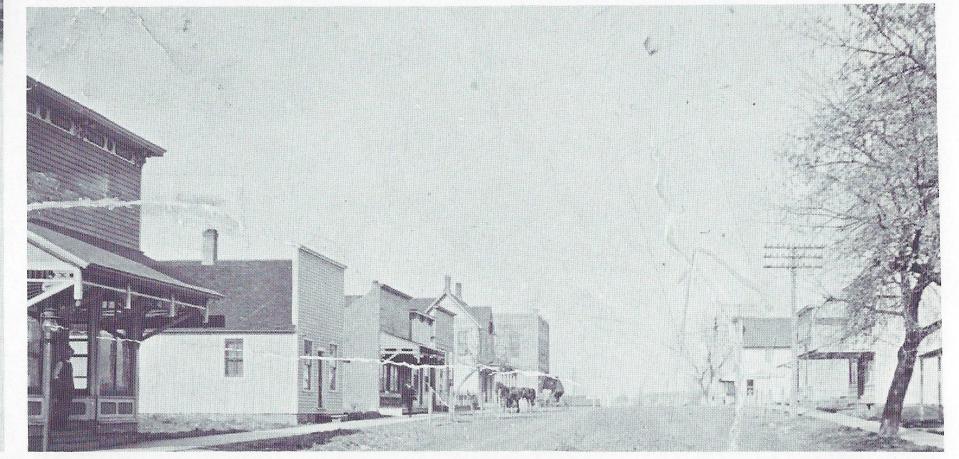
[(892, 412)]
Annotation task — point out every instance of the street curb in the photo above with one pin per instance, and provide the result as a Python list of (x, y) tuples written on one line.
[(918, 437)]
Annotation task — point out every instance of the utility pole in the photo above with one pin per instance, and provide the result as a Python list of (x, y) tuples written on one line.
[(793, 258)]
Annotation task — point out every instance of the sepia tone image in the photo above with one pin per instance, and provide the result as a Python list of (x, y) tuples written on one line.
[(583, 228)]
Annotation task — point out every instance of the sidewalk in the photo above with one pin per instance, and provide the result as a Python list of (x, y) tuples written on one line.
[(183, 444), (916, 436)]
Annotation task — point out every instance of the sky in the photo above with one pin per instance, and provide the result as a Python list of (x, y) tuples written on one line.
[(617, 169)]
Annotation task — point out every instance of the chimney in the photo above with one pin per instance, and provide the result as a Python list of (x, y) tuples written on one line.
[(459, 290), (448, 280), (209, 246)]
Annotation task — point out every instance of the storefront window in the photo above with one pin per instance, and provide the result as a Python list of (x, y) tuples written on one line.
[(79, 361), (115, 368)]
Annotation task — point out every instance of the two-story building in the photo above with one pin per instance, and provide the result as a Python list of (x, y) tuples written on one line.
[(257, 355), (93, 297), (522, 343), (473, 345), (763, 361), (395, 342)]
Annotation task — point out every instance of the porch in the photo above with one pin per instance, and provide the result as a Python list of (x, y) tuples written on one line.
[(394, 375), (88, 310), (836, 377)]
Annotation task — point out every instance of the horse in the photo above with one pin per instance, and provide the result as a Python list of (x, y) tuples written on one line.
[(555, 386), (512, 395)]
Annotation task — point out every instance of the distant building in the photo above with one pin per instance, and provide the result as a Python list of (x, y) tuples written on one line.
[(522, 342), (245, 360), (764, 353), (839, 366), (472, 346), (386, 324)]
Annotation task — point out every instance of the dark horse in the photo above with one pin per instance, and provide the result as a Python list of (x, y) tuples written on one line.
[(512, 395), (555, 387)]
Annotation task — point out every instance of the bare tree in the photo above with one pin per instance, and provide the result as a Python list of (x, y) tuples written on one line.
[(869, 159), (706, 353)]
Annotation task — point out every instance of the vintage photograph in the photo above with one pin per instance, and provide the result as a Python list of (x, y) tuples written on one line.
[(579, 228)]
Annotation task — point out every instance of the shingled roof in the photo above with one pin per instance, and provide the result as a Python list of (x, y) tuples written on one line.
[(257, 294), (766, 332)]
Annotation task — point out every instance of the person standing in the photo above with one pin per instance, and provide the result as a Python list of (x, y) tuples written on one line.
[(61, 386), (407, 395)]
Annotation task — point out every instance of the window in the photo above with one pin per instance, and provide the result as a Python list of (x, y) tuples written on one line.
[(307, 365), (750, 388), (334, 352), (100, 140), (463, 342), (390, 378), (38, 111), (233, 358), (61, 120), (81, 354), (115, 366)]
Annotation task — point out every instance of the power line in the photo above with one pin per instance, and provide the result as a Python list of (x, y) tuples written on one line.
[(793, 260)]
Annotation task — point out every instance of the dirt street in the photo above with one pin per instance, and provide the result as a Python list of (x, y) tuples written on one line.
[(617, 429)]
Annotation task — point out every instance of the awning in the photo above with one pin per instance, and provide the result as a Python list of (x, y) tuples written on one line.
[(84, 255)]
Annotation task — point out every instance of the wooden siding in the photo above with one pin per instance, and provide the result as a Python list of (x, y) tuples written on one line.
[(394, 314), (61, 166), (361, 338), (173, 384), (443, 328), (320, 311)]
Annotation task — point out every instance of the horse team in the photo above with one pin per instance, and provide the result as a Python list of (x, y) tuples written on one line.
[(511, 396)]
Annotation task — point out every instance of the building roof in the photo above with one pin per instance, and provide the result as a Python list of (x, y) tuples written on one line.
[(396, 291), (422, 304), (41, 90), (257, 294), (103, 258), (482, 314), (766, 332)]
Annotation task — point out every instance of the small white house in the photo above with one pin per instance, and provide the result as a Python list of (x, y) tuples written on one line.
[(245, 359), (763, 358)]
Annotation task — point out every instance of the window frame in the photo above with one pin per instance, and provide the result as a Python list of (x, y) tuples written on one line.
[(233, 355), (306, 384), (334, 352)]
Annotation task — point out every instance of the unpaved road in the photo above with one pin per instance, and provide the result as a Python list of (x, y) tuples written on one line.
[(616, 429)]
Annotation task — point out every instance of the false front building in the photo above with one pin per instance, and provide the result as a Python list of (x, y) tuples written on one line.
[(257, 358), (395, 343)]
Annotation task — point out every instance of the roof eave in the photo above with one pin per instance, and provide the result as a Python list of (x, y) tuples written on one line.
[(151, 149)]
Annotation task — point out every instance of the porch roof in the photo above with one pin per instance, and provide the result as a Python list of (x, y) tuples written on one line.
[(827, 355), (86, 255)]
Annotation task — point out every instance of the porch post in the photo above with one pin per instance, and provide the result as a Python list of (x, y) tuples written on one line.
[(93, 352), (922, 389), (49, 325)]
